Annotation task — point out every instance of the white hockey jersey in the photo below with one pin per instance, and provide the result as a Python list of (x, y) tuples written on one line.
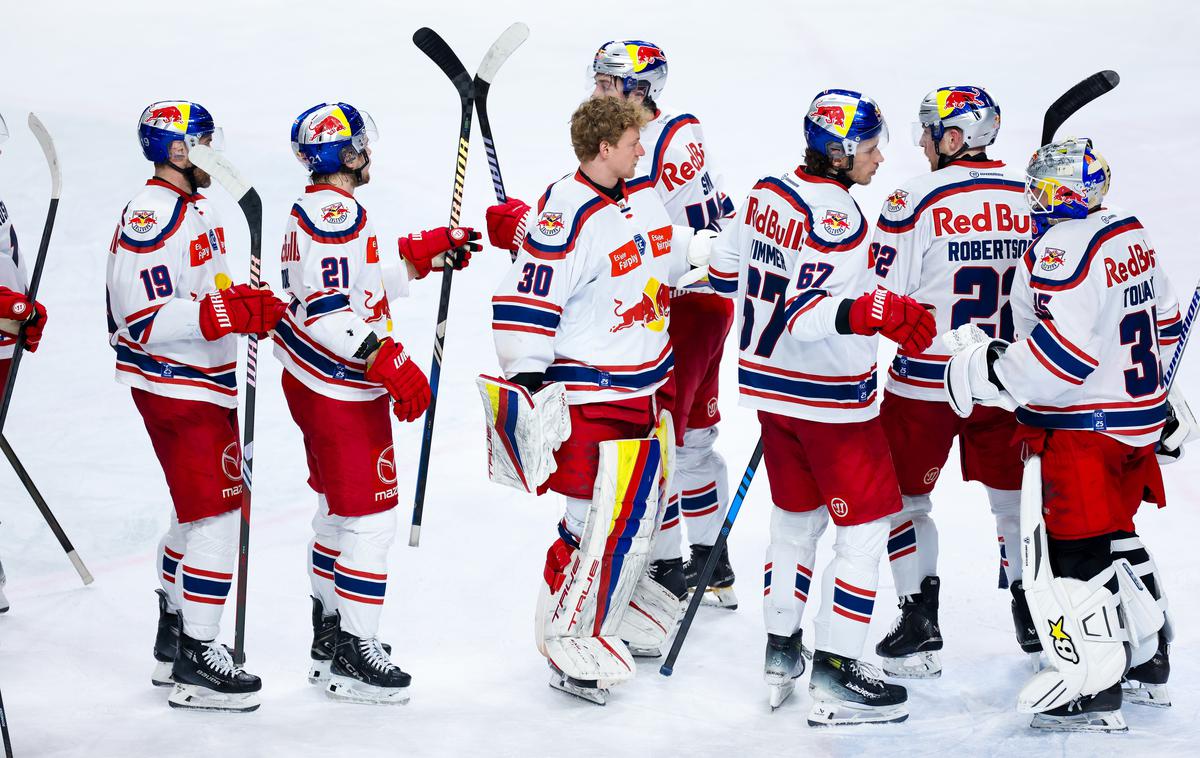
[(588, 299), (12, 271), (796, 252), (331, 271), (168, 253), (952, 239), (1092, 309)]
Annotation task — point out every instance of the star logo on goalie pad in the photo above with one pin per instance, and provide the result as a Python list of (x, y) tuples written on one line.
[(1063, 645)]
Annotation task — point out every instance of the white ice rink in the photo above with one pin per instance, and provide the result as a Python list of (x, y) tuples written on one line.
[(75, 662)]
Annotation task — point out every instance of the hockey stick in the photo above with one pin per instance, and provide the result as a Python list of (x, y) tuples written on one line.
[(710, 565), (430, 43), (517, 34), (1184, 331), (1075, 98), (219, 167), (4, 730), (47, 143)]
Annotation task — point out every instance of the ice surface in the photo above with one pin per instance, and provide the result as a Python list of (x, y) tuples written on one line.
[(75, 663)]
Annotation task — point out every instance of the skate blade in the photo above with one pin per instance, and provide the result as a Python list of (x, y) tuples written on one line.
[(831, 713), (353, 691), (1152, 695), (161, 677), (644, 652), (318, 672), (1100, 721), (720, 597), (779, 693), (1036, 662), (596, 695), (926, 665), (192, 697)]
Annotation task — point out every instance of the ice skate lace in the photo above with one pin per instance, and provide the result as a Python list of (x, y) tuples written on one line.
[(374, 654), (866, 671), (217, 658)]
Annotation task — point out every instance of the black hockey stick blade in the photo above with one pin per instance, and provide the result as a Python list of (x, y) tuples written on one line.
[(432, 44), (1075, 98)]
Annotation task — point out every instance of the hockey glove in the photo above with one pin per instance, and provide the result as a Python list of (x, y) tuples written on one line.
[(1180, 428), (969, 375), (427, 251), (15, 309), (506, 224), (241, 309), (897, 317), (402, 378)]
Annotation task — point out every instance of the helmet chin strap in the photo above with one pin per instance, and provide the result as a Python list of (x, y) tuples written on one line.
[(189, 173), (357, 173)]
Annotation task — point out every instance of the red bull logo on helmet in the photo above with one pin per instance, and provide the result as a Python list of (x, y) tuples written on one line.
[(336, 213), (836, 222), (961, 98), (142, 221), (1064, 195), (1052, 258), (645, 56), (168, 116), (834, 115), (328, 127), (550, 224), (652, 310)]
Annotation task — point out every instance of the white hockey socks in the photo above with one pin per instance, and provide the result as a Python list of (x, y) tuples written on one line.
[(787, 575), (323, 552), (206, 573), (912, 544), (703, 483), (360, 571), (1006, 507), (848, 587), (170, 553), (668, 543)]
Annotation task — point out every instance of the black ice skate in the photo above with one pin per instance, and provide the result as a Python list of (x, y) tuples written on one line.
[(1146, 683), (720, 587), (1090, 713), (325, 627), (166, 643), (848, 691), (784, 665), (362, 672), (909, 650), (206, 678), (1027, 636), (584, 689), (669, 573)]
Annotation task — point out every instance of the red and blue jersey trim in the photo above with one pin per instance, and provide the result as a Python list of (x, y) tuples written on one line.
[(668, 133), (585, 212), (1135, 418), (1085, 262), (310, 356), (1059, 356), (581, 377), (140, 324), (327, 237), (1169, 330), (922, 370), (801, 304), (158, 241), (782, 385), (324, 303), (132, 359), (970, 185), (811, 238), (513, 313), (723, 282)]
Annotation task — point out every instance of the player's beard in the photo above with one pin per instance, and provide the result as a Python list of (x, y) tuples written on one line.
[(200, 178)]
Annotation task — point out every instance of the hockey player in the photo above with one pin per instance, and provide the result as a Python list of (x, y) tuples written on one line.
[(951, 239), (584, 312), (677, 165), (797, 260), (341, 373), (15, 309), (1092, 308), (173, 317)]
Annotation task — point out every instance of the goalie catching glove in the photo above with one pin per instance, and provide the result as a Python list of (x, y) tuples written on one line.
[(523, 431), (969, 375), (1180, 428)]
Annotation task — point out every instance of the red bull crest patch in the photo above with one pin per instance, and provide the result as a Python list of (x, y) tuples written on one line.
[(335, 213), (142, 221), (897, 201), (550, 224), (836, 222), (1052, 258)]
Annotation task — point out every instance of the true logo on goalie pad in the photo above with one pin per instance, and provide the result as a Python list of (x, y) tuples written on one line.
[(1063, 645)]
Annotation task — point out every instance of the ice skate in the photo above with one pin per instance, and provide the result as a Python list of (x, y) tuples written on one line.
[(325, 627), (848, 691), (1026, 632), (584, 689), (206, 678), (362, 672), (784, 665), (166, 643), (1146, 683), (720, 587), (1090, 713), (909, 651)]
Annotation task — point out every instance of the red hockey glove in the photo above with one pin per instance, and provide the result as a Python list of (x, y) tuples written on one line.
[(402, 378), (241, 309), (897, 317), (506, 224), (426, 250), (16, 309)]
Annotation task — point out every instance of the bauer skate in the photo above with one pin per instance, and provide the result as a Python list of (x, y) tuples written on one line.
[(207, 679), (362, 672), (720, 587), (784, 665), (848, 691), (1089, 713), (166, 643), (1146, 683), (910, 649)]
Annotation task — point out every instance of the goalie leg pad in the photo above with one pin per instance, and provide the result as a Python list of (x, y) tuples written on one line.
[(523, 431)]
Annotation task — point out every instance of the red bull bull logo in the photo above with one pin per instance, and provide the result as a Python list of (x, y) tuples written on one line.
[(897, 201), (962, 98), (330, 126), (550, 224), (1064, 195), (1052, 258), (652, 310), (645, 56), (834, 115), (142, 221), (165, 116), (379, 309), (836, 222), (335, 214)]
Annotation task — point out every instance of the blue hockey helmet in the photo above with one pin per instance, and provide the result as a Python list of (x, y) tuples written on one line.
[(634, 64), (839, 120), (327, 136), (1065, 180), (170, 121)]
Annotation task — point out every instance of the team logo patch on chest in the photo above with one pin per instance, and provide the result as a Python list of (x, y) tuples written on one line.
[(836, 222), (550, 224), (1052, 258), (335, 213), (651, 310), (142, 221), (897, 201)]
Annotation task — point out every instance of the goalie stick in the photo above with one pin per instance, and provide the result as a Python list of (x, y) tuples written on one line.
[(1075, 98), (219, 167), (714, 555), (4, 730), (429, 42)]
